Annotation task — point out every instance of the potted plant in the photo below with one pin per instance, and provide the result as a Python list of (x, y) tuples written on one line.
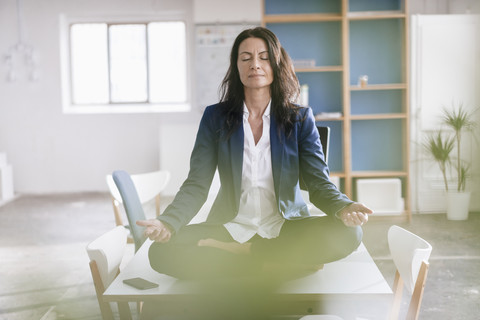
[(441, 147)]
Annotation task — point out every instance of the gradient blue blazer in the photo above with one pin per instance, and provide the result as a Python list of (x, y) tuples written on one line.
[(298, 155)]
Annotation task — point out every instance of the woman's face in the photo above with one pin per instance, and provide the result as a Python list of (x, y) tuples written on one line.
[(254, 64)]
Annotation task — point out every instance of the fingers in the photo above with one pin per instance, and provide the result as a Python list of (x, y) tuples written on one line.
[(355, 215), (145, 223), (365, 209), (162, 235), (155, 230), (352, 219)]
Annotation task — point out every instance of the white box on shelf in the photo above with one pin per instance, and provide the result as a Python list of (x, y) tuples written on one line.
[(383, 196), (6, 183)]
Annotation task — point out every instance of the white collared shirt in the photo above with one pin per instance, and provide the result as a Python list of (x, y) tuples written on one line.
[(258, 213)]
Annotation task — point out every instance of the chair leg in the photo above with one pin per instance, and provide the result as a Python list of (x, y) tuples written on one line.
[(416, 301), (105, 309), (116, 212), (397, 296)]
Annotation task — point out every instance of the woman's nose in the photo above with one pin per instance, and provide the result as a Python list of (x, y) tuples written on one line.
[(255, 63)]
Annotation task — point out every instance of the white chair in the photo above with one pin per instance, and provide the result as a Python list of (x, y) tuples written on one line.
[(149, 186), (106, 253), (410, 255)]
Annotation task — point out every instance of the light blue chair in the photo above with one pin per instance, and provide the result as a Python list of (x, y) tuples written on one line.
[(131, 203)]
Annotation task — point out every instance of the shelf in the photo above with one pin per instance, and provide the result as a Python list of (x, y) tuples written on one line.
[(337, 174), (370, 87), (304, 17), (372, 15), (376, 49), (325, 91), (314, 35), (320, 69), (322, 118), (378, 174), (378, 116), (334, 43)]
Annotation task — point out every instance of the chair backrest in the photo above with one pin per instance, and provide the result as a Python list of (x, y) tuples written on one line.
[(148, 185), (410, 254), (106, 253), (131, 203), (324, 133), (408, 251)]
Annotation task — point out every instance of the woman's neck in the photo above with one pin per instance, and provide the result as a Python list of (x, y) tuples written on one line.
[(257, 101)]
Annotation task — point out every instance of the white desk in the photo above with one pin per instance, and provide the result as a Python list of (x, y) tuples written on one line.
[(337, 289)]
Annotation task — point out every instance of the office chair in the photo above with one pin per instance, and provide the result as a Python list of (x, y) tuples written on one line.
[(132, 204), (149, 186), (106, 253), (324, 133)]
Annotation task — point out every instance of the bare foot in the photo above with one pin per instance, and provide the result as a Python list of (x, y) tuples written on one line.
[(234, 247)]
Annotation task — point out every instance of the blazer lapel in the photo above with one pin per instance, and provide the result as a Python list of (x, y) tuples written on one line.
[(236, 158), (277, 148)]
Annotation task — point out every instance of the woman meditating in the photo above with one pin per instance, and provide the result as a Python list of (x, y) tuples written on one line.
[(262, 144)]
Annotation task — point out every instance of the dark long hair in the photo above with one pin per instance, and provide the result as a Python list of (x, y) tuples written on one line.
[(284, 89)]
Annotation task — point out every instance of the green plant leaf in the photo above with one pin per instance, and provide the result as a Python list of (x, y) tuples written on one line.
[(439, 147)]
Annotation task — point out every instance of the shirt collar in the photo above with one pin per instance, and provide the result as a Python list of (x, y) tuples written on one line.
[(265, 114)]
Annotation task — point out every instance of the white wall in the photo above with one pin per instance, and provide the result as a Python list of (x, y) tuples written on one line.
[(53, 152), (444, 6), (226, 11), (445, 71), (177, 133)]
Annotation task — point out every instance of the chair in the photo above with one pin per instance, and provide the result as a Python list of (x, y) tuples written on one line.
[(106, 253), (410, 254), (148, 185), (132, 204), (324, 133)]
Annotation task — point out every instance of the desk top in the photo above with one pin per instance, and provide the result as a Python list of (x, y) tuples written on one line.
[(356, 275)]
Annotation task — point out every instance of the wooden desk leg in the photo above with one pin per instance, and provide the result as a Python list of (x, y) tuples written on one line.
[(124, 311), (397, 298)]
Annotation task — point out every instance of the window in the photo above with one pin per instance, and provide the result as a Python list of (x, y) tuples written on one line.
[(125, 67)]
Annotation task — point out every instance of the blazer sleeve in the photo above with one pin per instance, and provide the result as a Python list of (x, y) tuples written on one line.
[(314, 171), (203, 162)]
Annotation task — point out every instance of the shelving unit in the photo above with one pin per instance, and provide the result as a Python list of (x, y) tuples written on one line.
[(341, 40)]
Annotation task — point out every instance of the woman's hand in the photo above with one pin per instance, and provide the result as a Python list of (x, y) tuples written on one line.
[(355, 214), (155, 230)]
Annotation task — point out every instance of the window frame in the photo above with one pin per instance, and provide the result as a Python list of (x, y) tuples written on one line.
[(114, 108)]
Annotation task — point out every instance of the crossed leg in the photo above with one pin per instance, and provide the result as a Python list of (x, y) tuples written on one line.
[(205, 250)]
